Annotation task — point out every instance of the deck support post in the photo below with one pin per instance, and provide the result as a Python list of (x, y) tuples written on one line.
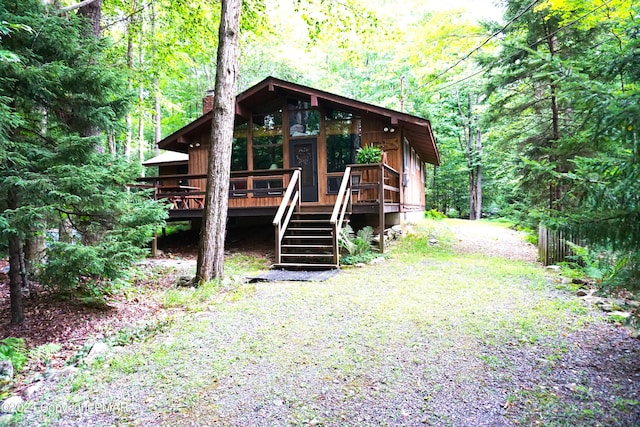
[(381, 208), (154, 244), (278, 243)]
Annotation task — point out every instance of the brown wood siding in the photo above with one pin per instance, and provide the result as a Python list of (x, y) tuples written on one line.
[(168, 170), (323, 197), (413, 197), (198, 158), (370, 177), (373, 134), (254, 202)]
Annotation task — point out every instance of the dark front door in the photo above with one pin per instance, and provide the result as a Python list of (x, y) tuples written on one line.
[(303, 154)]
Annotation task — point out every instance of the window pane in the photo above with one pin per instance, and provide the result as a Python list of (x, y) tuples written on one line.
[(339, 115), (239, 154), (239, 148), (267, 187), (296, 104), (267, 124), (333, 184), (267, 156), (304, 122), (343, 140), (267, 141)]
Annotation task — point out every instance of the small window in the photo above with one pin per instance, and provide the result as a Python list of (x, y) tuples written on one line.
[(238, 188), (333, 184), (267, 187)]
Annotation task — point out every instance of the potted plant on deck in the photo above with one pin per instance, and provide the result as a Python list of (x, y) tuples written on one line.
[(369, 155)]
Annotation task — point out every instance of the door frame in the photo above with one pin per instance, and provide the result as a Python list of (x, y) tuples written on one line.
[(310, 192)]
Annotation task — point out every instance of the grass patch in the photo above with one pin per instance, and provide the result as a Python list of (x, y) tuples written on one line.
[(500, 222), (245, 265), (174, 228), (546, 407), (141, 332), (191, 298), (237, 267)]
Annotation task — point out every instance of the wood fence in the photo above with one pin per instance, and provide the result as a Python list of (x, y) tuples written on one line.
[(555, 246)]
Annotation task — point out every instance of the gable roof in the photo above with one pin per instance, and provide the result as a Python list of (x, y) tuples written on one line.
[(416, 129)]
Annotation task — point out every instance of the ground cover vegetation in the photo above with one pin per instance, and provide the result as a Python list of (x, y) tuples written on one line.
[(424, 343)]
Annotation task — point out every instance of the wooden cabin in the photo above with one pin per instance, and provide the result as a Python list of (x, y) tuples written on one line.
[(293, 160)]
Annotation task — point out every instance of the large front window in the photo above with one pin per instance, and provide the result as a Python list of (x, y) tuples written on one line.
[(239, 148), (343, 140), (267, 141)]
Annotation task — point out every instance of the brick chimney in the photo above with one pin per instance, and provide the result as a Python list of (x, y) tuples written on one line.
[(207, 102)]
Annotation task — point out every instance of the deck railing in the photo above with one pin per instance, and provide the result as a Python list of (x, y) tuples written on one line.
[(186, 191), (376, 184), (290, 203), (343, 203)]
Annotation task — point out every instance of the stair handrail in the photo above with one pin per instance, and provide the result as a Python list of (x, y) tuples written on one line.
[(343, 200), (290, 202)]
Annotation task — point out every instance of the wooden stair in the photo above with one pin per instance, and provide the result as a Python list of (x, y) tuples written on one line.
[(308, 242)]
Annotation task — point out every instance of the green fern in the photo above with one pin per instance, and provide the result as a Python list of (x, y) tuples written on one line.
[(15, 350), (45, 352), (346, 239), (357, 245)]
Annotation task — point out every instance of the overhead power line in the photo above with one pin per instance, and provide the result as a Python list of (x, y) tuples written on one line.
[(481, 45), (532, 45)]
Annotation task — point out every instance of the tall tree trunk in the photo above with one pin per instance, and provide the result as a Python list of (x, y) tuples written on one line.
[(554, 190), (111, 141), (34, 248), (473, 197), (214, 226), (473, 153), (130, 52), (157, 115), (93, 12), (15, 267), (141, 142), (157, 118), (141, 106), (478, 172)]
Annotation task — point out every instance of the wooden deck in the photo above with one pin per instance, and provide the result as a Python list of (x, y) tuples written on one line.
[(375, 189), (307, 234)]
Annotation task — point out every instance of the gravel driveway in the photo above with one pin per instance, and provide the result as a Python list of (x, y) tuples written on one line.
[(478, 237), (465, 333)]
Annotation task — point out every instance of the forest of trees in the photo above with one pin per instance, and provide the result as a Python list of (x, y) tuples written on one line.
[(536, 114)]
